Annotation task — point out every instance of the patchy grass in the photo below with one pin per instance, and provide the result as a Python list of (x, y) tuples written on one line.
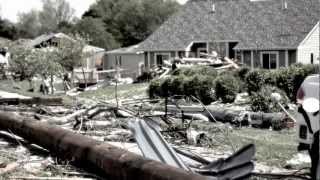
[(21, 87), (273, 148), (129, 91)]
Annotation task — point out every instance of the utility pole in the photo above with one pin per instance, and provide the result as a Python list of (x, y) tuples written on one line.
[(318, 167)]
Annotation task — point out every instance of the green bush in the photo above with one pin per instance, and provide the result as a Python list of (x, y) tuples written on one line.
[(242, 72), (262, 101), (154, 89), (145, 77), (255, 80), (196, 70), (205, 91), (290, 79), (200, 87), (226, 88)]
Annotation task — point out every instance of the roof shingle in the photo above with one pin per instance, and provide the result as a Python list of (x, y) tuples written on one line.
[(255, 25)]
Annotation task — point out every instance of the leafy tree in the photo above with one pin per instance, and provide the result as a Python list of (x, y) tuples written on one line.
[(70, 52), (56, 15), (94, 28), (24, 63), (28, 24), (8, 29), (131, 21), (49, 62), (53, 13)]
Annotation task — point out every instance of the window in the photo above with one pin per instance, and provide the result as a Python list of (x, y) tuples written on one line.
[(118, 62), (311, 58), (269, 60), (161, 57)]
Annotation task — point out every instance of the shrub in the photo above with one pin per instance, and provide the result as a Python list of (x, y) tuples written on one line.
[(290, 79), (154, 88), (208, 71), (254, 80), (201, 87), (226, 88), (145, 77), (196, 70), (165, 87), (176, 85), (205, 91), (262, 101), (242, 72)]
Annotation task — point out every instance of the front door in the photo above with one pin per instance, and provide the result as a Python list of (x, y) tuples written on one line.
[(161, 57)]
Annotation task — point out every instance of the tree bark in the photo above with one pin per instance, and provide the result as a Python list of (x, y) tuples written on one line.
[(51, 84)]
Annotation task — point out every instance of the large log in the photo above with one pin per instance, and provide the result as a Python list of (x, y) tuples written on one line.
[(116, 163), (258, 119), (30, 101)]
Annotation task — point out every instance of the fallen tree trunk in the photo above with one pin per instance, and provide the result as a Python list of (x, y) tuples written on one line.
[(257, 119), (31, 101), (116, 163)]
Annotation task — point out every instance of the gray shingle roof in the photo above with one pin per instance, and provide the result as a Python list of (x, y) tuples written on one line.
[(126, 50), (256, 25)]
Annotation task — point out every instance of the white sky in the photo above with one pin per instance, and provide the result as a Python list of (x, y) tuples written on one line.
[(10, 8)]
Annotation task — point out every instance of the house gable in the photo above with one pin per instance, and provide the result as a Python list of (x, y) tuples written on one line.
[(308, 49)]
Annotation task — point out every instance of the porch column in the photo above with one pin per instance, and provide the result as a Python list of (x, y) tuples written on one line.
[(252, 60), (227, 49), (286, 57), (242, 59), (208, 47), (148, 60), (177, 54)]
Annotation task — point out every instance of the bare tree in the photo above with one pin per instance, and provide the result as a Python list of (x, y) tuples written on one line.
[(28, 24), (53, 13)]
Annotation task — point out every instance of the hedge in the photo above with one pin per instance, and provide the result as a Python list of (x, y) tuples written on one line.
[(287, 79), (226, 88), (207, 84), (262, 101)]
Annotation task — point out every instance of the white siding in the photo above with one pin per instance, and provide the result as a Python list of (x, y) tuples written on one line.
[(129, 62), (310, 45)]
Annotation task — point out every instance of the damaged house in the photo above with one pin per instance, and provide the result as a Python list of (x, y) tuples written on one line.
[(261, 34), (92, 64)]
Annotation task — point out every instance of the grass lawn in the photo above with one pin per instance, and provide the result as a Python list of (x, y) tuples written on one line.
[(273, 148), (129, 91)]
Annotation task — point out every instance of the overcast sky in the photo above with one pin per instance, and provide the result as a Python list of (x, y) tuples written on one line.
[(10, 8)]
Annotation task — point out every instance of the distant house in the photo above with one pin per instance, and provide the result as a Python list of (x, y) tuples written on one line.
[(92, 65), (260, 33), (94, 61), (130, 59)]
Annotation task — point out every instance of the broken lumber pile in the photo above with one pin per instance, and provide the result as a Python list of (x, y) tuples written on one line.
[(116, 163), (30, 101)]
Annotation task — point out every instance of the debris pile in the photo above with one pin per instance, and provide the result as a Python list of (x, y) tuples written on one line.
[(91, 141)]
